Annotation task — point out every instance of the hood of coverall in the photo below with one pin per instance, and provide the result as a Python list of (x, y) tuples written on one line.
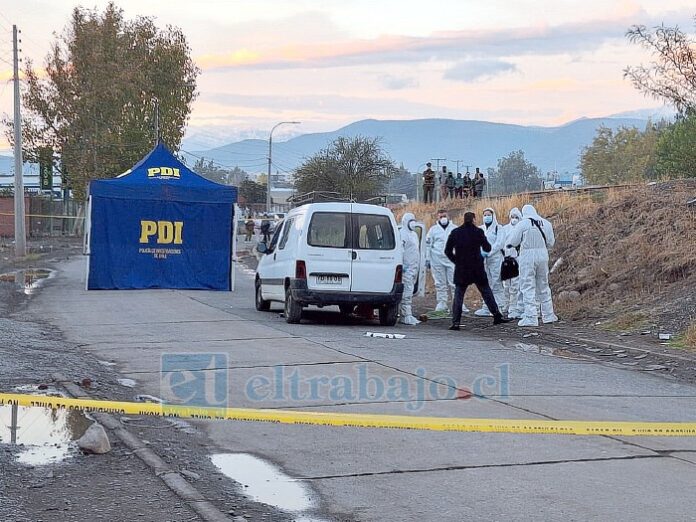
[(495, 220), (529, 211), (407, 217)]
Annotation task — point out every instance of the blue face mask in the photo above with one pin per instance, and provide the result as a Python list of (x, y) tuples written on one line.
[(488, 220)]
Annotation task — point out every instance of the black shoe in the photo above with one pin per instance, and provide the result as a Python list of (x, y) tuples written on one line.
[(454, 327), (499, 319)]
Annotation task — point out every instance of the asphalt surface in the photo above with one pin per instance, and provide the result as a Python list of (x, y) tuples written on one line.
[(328, 364)]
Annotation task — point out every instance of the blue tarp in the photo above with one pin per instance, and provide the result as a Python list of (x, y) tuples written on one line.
[(160, 225)]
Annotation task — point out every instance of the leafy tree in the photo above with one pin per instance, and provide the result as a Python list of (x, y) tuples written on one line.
[(403, 182), (671, 76), (252, 192), (94, 108), (621, 156), (514, 174), (219, 174), (676, 153), (357, 167)]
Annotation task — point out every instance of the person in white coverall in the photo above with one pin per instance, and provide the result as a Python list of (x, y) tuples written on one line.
[(512, 286), (441, 268), (496, 237), (534, 235), (411, 266)]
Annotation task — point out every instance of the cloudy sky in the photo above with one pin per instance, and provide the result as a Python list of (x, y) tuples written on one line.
[(331, 62)]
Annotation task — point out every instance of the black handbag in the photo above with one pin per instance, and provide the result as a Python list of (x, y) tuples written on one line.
[(509, 269)]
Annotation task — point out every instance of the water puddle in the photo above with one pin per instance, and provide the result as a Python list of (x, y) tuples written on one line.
[(265, 483), (28, 280), (44, 435), (545, 350)]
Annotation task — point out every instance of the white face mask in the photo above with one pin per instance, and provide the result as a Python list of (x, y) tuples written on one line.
[(444, 221), (514, 220)]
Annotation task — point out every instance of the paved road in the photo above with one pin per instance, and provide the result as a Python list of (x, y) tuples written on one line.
[(328, 364)]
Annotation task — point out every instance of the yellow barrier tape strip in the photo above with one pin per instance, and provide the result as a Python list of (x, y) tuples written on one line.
[(527, 426), (43, 215)]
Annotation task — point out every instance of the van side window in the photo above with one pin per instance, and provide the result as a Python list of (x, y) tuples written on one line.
[(373, 232), (329, 229), (276, 235), (286, 233)]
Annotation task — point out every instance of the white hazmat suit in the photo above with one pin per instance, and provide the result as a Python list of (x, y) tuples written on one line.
[(441, 268), (534, 265), (496, 237), (512, 286), (411, 266)]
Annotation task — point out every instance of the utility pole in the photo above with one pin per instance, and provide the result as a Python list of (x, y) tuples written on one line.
[(269, 201), (19, 228), (439, 181)]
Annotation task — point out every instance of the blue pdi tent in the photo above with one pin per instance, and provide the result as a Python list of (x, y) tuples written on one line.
[(160, 225)]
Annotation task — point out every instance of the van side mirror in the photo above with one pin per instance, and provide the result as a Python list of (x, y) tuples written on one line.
[(262, 248)]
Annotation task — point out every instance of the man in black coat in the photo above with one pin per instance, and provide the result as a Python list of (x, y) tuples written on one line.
[(464, 248)]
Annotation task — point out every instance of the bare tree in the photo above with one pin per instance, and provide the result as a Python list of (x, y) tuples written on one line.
[(357, 167), (671, 76)]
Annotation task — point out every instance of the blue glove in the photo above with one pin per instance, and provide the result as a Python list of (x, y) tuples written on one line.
[(484, 253)]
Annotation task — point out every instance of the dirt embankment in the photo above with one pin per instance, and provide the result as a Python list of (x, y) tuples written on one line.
[(627, 256)]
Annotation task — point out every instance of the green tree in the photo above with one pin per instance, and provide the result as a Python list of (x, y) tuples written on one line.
[(621, 156), (356, 167), (252, 192), (219, 174), (403, 182), (676, 150), (514, 174), (94, 108), (671, 76)]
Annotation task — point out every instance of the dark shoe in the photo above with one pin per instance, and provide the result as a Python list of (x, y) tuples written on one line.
[(454, 327), (499, 319)]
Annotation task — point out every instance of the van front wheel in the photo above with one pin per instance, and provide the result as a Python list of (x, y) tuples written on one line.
[(293, 310), (388, 314)]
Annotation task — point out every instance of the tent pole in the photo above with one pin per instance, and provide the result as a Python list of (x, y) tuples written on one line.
[(233, 264), (86, 238)]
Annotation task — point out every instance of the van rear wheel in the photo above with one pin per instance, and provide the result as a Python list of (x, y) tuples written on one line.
[(388, 314), (293, 310), (261, 304), (346, 309)]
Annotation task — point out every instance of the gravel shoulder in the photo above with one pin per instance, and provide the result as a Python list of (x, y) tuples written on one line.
[(114, 486)]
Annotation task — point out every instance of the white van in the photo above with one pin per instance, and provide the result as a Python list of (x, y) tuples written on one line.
[(344, 254)]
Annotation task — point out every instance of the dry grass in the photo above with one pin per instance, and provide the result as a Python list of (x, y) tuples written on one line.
[(625, 250), (688, 338), (628, 322)]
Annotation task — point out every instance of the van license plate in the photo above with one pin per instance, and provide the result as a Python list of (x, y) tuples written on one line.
[(327, 279)]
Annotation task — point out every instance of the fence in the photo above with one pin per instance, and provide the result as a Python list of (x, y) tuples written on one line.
[(45, 217)]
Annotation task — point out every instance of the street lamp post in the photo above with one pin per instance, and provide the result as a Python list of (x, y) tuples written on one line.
[(270, 152)]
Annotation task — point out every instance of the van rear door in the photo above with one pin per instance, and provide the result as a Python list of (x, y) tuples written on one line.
[(375, 253), (328, 259)]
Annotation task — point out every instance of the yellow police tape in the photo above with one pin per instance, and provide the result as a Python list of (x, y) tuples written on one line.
[(359, 420), (56, 216)]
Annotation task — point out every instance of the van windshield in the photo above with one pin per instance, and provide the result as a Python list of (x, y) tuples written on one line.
[(363, 231)]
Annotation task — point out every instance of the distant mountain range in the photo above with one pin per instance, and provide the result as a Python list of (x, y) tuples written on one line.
[(414, 142)]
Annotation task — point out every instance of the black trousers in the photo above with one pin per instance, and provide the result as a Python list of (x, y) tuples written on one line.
[(486, 293)]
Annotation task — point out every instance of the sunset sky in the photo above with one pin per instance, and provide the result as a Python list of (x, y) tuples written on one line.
[(328, 63)]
